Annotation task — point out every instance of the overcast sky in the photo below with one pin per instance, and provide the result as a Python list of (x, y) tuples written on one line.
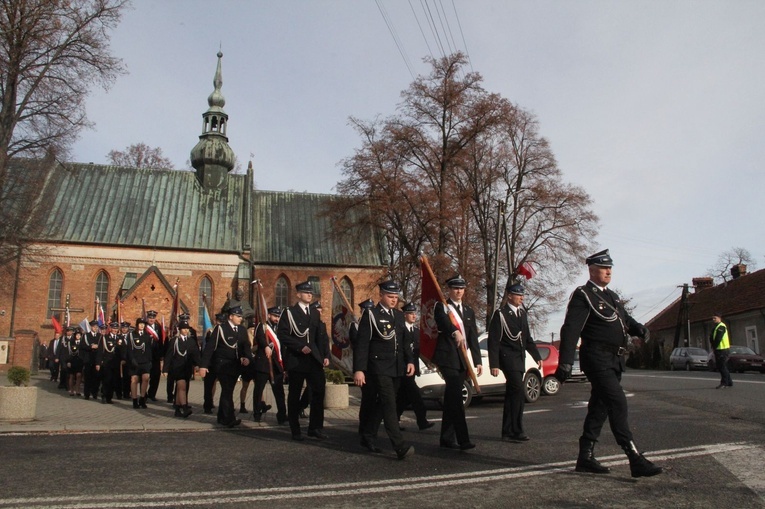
[(656, 108)]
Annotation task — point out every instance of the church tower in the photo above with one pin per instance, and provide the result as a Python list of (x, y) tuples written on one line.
[(212, 157)]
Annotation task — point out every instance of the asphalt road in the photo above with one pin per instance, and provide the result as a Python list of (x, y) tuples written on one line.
[(711, 443)]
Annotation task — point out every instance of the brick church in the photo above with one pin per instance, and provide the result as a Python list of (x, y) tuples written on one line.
[(127, 239)]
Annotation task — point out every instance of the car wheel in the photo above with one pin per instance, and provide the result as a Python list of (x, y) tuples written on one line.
[(533, 386), (687, 366), (467, 394), (551, 386)]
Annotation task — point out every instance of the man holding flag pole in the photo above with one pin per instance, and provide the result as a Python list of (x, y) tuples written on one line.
[(457, 331)]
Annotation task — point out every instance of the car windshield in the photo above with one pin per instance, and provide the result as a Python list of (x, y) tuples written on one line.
[(697, 351), (742, 350)]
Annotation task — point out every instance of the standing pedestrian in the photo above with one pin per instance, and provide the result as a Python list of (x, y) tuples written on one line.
[(509, 341), (451, 362), (596, 314), (721, 347), (108, 363)]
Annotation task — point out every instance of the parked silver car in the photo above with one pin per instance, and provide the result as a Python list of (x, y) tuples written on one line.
[(688, 358)]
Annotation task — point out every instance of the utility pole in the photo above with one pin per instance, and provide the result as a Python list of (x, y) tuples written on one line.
[(682, 317)]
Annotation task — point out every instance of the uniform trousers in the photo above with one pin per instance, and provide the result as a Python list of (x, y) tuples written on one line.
[(110, 373), (154, 376), (382, 391), (607, 400), (226, 401), (515, 400), (54, 369), (277, 387), (453, 423), (721, 361), (209, 385), (91, 377), (367, 408), (316, 381), (409, 394)]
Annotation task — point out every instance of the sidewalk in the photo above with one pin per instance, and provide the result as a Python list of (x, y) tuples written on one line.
[(57, 412)]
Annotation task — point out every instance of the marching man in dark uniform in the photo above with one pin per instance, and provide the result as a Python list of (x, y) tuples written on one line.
[(509, 340), (268, 364), (88, 353), (409, 392), (154, 330), (108, 362), (451, 363), (210, 378), (597, 316), (299, 332), (381, 357), (227, 350), (367, 405)]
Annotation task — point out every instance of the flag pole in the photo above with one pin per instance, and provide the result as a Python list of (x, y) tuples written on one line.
[(263, 318), (463, 350), (344, 298)]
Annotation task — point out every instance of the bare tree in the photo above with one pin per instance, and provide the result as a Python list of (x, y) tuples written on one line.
[(735, 256), (51, 53), (434, 174), (140, 155)]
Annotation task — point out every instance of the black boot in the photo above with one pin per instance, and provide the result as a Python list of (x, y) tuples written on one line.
[(178, 412), (639, 465), (586, 461), (263, 407), (186, 411), (257, 416), (135, 403), (242, 409), (142, 402)]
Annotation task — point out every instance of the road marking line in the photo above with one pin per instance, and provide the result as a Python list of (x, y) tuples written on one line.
[(746, 465), (705, 380), (205, 498)]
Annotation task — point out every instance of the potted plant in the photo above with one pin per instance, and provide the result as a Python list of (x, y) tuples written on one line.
[(19, 401), (336, 390)]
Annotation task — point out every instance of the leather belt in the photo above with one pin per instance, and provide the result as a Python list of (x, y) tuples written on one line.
[(616, 350)]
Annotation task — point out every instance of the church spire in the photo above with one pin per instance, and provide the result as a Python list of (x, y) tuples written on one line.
[(212, 157)]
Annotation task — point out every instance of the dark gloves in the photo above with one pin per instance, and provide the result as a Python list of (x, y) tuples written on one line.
[(644, 332), (563, 372)]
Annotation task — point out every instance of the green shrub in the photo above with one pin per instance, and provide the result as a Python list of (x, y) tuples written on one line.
[(334, 376), (18, 376)]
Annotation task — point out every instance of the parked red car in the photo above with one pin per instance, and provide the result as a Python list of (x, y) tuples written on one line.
[(741, 358), (549, 354)]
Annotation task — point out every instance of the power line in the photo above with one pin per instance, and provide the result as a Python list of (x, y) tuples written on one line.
[(394, 35), (462, 34), (417, 19)]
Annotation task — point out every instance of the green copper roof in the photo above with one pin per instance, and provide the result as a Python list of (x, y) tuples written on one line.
[(292, 228), (95, 204)]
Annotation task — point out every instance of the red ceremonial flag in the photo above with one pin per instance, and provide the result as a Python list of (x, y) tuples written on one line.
[(428, 328), (270, 334), (101, 318), (56, 326), (525, 269)]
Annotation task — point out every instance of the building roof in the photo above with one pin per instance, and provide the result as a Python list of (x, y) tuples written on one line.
[(294, 228), (112, 205), (747, 293), (169, 209)]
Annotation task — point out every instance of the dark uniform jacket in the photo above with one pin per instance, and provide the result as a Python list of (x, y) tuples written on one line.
[(597, 317), (107, 354), (138, 349), (413, 339), (446, 354), (225, 349), (510, 339), (296, 330), (157, 346), (382, 343), (183, 354), (87, 352), (261, 361)]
